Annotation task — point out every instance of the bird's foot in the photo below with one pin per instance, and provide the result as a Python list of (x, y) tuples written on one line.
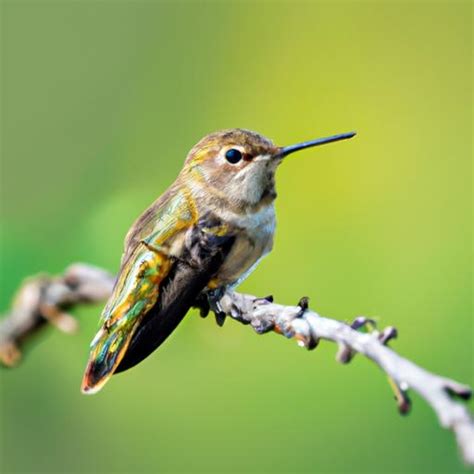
[(214, 297), (202, 304)]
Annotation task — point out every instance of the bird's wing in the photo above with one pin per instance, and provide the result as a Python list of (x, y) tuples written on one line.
[(145, 264), (207, 245)]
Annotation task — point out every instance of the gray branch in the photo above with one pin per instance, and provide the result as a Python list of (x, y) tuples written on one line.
[(308, 327), (45, 299)]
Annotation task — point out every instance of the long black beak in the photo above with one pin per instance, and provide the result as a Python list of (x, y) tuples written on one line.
[(318, 141)]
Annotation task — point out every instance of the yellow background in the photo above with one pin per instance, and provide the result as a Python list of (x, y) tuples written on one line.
[(101, 102)]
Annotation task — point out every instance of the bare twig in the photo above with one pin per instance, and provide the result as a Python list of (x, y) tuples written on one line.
[(45, 299), (307, 327)]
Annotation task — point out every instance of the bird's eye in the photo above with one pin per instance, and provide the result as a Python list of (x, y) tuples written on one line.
[(233, 156)]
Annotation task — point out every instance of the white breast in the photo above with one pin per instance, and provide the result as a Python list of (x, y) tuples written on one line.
[(254, 239)]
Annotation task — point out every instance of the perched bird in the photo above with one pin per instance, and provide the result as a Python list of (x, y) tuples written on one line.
[(206, 233)]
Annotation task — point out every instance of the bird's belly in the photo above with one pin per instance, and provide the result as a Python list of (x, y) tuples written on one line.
[(251, 244), (238, 265)]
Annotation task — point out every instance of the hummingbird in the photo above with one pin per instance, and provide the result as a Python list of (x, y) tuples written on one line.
[(204, 235)]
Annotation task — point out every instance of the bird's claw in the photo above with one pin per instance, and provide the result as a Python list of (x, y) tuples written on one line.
[(214, 297), (220, 318), (202, 304)]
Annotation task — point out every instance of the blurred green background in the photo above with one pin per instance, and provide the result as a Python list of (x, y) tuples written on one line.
[(101, 102)]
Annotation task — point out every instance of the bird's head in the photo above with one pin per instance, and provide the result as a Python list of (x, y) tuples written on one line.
[(239, 165)]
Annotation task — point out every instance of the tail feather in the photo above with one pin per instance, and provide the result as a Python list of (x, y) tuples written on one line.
[(108, 349)]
